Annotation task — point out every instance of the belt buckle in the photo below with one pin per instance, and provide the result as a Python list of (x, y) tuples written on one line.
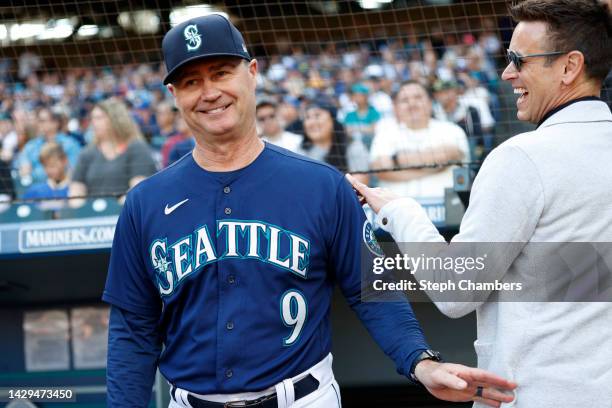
[(249, 403)]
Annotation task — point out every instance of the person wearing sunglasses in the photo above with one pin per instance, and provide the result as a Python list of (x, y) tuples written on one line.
[(551, 186), (270, 127)]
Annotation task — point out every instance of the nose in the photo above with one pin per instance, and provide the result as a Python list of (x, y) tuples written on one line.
[(210, 93), (510, 72)]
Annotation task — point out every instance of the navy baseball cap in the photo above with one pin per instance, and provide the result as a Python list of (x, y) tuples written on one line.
[(201, 37)]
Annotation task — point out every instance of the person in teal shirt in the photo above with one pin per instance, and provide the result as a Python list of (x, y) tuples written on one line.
[(360, 123), (28, 161)]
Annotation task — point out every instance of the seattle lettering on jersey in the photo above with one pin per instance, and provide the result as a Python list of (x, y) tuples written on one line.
[(243, 240)]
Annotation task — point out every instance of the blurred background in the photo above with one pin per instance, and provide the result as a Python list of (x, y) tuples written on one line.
[(83, 113)]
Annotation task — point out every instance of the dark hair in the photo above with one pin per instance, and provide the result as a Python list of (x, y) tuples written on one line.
[(410, 82), (337, 152), (583, 25), (265, 104)]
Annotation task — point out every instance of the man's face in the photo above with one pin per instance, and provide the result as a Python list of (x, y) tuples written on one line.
[(164, 116), (216, 96), (538, 84), (413, 106), (47, 124), (447, 98), (267, 119)]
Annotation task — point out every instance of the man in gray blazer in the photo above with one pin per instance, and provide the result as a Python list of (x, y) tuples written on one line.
[(553, 184)]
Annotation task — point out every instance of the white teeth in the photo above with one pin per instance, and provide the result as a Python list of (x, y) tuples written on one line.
[(216, 110), (520, 91)]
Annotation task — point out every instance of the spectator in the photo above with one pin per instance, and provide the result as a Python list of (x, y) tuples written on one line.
[(49, 124), (181, 149), (181, 134), (119, 158), (23, 130), (360, 122), (165, 117), (271, 129), (413, 138), (55, 163), (450, 107), (325, 139)]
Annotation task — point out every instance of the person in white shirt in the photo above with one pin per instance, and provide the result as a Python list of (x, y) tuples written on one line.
[(271, 130), (411, 139), (544, 192)]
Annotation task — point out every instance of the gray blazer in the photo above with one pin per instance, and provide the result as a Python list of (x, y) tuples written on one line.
[(553, 184)]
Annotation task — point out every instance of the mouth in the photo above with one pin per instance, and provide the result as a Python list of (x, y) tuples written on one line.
[(523, 94), (215, 111)]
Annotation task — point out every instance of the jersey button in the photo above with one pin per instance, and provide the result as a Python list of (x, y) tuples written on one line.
[(229, 325), (229, 373), (227, 189), (385, 221), (228, 211), (231, 279)]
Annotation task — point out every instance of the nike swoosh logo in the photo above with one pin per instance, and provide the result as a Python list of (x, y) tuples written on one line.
[(168, 210)]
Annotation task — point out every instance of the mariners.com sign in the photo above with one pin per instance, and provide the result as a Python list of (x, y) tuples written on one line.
[(45, 238)]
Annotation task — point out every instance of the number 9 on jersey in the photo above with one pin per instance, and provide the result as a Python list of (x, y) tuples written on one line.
[(293, 310)]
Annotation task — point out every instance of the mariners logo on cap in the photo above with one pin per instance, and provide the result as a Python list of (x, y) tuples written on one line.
[(193, 37), (370, 239)]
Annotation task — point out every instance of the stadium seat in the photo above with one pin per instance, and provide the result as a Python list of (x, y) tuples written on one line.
[(23, 213), (98, 207)]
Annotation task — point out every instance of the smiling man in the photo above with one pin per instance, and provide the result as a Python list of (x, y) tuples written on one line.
[(228, 258), (550, 185)]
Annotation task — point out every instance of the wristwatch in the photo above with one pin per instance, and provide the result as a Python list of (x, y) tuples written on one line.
[(425, 355)]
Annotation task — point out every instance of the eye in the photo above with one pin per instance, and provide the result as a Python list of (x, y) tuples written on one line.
[(189, 82), (221, 74)]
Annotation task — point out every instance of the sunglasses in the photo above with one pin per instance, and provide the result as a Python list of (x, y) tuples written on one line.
[(517, 59)]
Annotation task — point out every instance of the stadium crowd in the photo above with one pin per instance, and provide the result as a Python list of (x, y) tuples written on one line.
[(97, 132)]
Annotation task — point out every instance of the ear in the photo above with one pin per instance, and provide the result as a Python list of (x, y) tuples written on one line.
[(172, 89), (573, 68), (253, 67)]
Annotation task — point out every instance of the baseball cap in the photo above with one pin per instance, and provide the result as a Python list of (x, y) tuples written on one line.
[(200, 37), (443, 85), (360, 89)]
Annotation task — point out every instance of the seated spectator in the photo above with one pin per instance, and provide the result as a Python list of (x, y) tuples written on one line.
[(182, 134), (181, 149), (119, 158), (325, 139), (55, 163), (414, 139), (28, 162), (451, 107), (165, 117), (360, 122), (271, 130)]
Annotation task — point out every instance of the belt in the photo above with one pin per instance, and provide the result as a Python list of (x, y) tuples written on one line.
[(301, 388)]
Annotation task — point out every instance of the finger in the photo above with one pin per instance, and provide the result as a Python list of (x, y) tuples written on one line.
[(495, 394), (447, 379), (489, 402), (357, 185), (486, 378)]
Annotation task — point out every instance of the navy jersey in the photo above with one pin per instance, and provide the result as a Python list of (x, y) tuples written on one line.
[(238, 267)]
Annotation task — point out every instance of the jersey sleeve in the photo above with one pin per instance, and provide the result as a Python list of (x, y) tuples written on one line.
[(134, 345), (393, 325), (128, 285)]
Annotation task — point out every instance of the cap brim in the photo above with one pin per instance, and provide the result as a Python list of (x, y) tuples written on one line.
[(168, 78)]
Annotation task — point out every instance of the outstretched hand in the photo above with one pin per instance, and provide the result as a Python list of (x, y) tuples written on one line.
[(459, 383), (375, 197)]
